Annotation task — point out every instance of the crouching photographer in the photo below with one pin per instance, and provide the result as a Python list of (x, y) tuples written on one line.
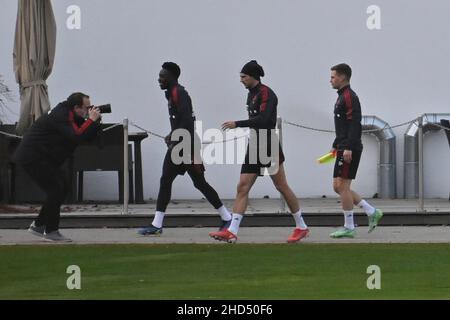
[(46, 145)]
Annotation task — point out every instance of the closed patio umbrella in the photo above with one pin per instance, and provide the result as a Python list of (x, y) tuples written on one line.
[(34, 53)]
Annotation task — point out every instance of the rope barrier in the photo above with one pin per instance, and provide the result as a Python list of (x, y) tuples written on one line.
[(20, 137), (10, 135), (237, 138), (226, 140), (111, 127), (440, 126), (436, 124), (364, 131), (162, 137), (148, 131)]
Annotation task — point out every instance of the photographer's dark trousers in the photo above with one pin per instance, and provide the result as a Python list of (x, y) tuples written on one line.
[(195, 171), (51, 180)]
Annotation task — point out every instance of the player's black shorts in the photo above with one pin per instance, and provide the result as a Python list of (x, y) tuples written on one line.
[(180, 169), (346, 170), (258, 167)]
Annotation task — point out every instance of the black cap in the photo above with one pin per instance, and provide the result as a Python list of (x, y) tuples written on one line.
[(253, 69)]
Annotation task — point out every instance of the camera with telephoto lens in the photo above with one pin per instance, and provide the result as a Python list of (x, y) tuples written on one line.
[(105, 108)]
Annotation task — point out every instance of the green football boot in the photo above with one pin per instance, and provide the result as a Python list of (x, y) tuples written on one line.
[(374, 219), (343, 233)]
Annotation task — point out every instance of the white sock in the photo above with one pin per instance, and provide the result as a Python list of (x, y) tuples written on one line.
[(158, 219), (225, 215), (299, 222), (349, 224), (366, 207), (235, 222)]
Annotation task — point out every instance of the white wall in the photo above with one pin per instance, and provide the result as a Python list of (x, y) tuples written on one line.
[(400, 72)]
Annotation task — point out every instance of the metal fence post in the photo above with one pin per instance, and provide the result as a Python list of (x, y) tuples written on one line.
[(125, 167), (420, 147)]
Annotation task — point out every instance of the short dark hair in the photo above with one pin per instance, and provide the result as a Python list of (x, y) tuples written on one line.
[(173, 68), (76, 99), (344, 69)]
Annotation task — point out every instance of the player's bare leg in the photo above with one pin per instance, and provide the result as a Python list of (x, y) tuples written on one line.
[(281, 184), (246, 181), (349, 198)]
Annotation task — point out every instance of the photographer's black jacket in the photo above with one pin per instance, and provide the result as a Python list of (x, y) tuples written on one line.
[(262, 108), (347, 120), (54, 136)]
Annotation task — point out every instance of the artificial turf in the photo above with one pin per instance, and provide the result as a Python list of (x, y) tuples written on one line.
[(240, 271)]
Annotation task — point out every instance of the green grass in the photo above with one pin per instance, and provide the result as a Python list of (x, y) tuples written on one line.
[(306, 271)]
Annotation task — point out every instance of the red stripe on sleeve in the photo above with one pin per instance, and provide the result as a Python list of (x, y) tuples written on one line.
[(175, 96), (264, 98), (79, 130), (348, 104)]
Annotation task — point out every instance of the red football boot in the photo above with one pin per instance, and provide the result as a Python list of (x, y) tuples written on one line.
[(224, 235), (298, 235)]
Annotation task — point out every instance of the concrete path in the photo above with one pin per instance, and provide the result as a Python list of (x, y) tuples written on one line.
[(201, 207), (246, 235)]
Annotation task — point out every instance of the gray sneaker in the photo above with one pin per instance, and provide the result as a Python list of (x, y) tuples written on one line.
[(35, 230), (56, 236)]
